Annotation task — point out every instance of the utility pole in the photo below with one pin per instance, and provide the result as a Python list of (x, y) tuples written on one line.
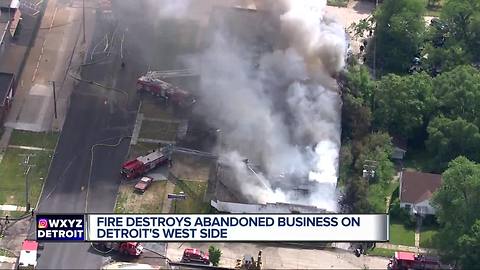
[(54, 99), (28, 166), (375, 46), (83, 19)]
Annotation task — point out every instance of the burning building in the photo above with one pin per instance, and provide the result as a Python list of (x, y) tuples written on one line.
[(267, 85)]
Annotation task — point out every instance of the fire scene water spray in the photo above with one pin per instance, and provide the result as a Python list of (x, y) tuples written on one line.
[(282, 112)]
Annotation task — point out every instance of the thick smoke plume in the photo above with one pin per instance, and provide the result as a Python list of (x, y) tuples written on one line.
[(279, 108)]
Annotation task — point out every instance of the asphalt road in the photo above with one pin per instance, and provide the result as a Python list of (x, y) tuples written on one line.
[(97, 115)]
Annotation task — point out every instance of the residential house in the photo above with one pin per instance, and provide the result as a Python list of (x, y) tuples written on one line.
[(416, 190)]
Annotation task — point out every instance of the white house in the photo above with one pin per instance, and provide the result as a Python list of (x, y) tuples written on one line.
[(416, 190)]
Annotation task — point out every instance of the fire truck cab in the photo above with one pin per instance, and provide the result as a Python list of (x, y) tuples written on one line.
[(409, 260), (137, 167)]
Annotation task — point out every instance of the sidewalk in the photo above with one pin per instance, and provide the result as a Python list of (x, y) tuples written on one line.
[(50, 57)]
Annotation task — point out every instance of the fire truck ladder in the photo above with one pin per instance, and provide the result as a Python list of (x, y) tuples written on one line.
[(194, 152), (174, 73)]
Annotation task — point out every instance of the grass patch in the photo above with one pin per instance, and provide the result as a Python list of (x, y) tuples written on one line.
[(401, 235), (427, 234), (158, 130), (158, 110), (150, 202), (35, 139), (337, 3), (378, 193), (382, 252), (193, 204), (6, 253), (12, 178)]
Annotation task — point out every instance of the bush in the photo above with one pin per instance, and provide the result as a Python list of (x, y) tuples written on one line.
[(214, 254)]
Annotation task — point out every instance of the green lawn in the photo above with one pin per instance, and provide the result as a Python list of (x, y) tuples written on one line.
[(377, 194), (158, 130), (401, 235), (337, 3), (141, 148), (427, 235), (382, 252), (36, 139), (12, 179), (195, 192)]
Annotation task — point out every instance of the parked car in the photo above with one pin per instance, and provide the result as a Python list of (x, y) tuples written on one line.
[(143, 184), (196, 256)]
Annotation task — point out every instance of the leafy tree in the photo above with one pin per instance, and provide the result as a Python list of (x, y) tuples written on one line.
[(458, 93), (451, 138), (403, 103), (357, 89), (356, 117), (214, 254), (463, 20), (443, 59), (398, 34), (376, 147), (457, 202), (355, 197)]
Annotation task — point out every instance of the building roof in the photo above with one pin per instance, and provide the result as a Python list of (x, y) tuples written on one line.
[(6, 80), (418, 186), (9, 4), (268, 208)]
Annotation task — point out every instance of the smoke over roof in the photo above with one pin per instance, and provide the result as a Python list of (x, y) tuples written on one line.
[(266, 84)]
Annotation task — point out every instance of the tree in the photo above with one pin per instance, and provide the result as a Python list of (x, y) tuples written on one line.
[(355, 197), (398, 34), (457, 202), (357, 90), (449, 138), (403, 104), (463, 20), (214, 254), (458, 93), (376, 147)]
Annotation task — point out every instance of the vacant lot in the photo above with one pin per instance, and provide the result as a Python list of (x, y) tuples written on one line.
[(156, 108), (193, 204), (150, 202), (191, 167), (158, 130), (36, 139), (12, 177)]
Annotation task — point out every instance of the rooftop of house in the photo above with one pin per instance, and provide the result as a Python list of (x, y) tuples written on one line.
[(417, 186)]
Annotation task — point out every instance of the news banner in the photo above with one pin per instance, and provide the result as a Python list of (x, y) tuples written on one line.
[(214, 227)]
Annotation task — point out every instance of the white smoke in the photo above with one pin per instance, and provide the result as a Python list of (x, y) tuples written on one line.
[(281, 112), (285, 115)]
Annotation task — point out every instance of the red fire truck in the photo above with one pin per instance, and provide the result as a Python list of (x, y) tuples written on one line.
[(126, 248), (409, 260), (138, 166), (153, 83)]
